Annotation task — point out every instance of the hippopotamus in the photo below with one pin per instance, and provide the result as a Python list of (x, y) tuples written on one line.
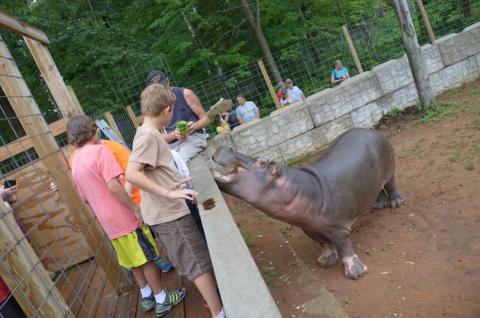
[(324, 198)]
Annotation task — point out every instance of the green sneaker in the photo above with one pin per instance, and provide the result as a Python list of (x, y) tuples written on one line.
[(147, 303), (173, 298)]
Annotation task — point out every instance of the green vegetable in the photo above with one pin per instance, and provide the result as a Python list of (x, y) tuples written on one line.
[(182, 127)]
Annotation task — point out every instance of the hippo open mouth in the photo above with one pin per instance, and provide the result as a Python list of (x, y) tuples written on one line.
[(225, 174)]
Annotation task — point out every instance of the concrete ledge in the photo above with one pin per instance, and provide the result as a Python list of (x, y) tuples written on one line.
[(243, 290)]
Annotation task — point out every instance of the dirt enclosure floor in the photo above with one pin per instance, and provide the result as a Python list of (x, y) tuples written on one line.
[(423, 259)]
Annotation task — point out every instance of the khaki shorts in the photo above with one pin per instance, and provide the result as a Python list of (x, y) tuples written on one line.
[(185, 246)]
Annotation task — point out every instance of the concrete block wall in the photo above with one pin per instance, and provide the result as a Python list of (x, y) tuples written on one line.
[(361, 101)]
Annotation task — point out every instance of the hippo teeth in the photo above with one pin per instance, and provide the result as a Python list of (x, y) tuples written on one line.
[(229, 177)]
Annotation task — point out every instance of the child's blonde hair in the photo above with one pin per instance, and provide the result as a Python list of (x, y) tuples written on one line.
[(155, 98)]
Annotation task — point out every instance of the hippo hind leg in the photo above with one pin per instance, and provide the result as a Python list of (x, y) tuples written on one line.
[(389, 196), (329, 255), (394, 197)]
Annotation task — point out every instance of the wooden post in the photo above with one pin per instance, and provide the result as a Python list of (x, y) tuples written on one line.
[(351, 47), (24, 274), (16, 25), (426, 21), (75, 100), (269, 83), (132, 116), (113, 125), (52, 77), (414, 53), (30, 116)]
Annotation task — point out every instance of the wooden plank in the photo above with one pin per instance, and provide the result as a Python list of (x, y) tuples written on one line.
[(16, 25), (132, 116), (51, 75), (172, 281), (194, 305), (69, 287), (75, 100), (87, 271), (351, 47), (20, 145), (269, 83), (93, 298), (107, 303), (36, 294), (46, 147), (45, 216)]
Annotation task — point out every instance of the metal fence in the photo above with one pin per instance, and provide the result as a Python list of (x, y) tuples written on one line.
[(309, 63), (55, 261)]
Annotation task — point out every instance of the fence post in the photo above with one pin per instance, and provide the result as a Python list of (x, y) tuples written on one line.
[(21, 264), (34, 124), (269, 83), (346, 34), (132, 116), (426, 21), (75, 100), (52, 77), (113, 125)]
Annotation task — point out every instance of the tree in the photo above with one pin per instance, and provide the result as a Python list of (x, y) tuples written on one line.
[(414, 53), (256, 27)]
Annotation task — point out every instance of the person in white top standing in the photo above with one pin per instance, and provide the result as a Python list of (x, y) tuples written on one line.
[(295, 93)]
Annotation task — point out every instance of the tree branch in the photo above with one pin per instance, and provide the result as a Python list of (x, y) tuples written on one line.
[(258, 13)]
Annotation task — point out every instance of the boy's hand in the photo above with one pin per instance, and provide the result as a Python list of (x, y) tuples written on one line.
[(186, 194), (186, 179)]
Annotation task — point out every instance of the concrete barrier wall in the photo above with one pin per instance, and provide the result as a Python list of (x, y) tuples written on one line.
[(361, 101)]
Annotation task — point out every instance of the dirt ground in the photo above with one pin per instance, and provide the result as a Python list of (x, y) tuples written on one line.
[(423, 259)]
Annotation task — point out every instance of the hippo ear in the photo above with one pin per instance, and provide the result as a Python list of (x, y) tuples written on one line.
[(276, 169)]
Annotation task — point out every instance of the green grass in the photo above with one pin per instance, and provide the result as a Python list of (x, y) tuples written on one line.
[(442, 110), (394, 112), (268, 273), (292, 162)]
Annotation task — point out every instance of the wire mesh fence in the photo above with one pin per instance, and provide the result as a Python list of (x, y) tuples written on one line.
[(48, 264), (309, 63)]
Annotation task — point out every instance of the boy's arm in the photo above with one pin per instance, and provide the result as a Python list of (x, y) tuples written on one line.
[(118, 191), (136, 177)]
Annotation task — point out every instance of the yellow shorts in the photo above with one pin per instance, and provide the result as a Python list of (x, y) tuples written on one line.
[(136, 248)]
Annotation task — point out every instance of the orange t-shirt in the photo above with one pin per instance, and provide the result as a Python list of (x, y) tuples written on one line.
[(121, 154)]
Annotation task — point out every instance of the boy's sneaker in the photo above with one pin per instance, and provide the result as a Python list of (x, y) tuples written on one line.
[(163, 265), (147, 303), (174, 297)]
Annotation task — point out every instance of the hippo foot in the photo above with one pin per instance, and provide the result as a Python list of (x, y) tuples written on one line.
[(381, 202), (328, 258), (396, 200), (354, 268)]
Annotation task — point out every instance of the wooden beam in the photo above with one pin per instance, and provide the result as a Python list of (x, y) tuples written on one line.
[(269, 83), (426, 21), (16, 25), (75, 100), (36, 294), (113, 125), (132, 116), (24, 143), (27, 111), (52, 77), (351, 47)]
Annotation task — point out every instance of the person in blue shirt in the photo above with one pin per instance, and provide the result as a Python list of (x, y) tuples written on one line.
[(246, 111), (339, 74)]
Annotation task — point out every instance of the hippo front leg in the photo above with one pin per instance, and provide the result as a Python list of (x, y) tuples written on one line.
[(354, 268)]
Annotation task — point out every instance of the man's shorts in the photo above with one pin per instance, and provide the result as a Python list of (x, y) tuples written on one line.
[(185, 246), (136, 248)]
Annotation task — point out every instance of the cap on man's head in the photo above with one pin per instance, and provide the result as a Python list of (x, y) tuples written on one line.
[(288, 80), (157, 77)]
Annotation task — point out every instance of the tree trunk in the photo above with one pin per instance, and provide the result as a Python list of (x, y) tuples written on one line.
[(262, 42), (414, 54), (467, 8)]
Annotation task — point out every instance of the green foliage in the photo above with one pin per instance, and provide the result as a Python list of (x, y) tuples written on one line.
[(394, 112), (208, 44), (442, 110)]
